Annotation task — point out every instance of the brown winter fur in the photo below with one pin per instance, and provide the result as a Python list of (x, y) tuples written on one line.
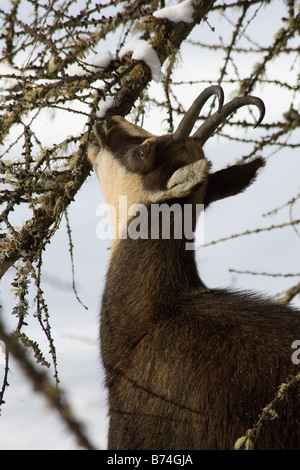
[(187, 367)]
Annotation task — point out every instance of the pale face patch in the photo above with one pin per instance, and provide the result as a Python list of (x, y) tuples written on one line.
[(116, 182)]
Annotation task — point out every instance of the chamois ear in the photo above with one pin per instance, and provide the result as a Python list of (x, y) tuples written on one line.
[(184, 180), (231, 181)]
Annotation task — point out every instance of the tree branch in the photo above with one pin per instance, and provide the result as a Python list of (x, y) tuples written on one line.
[(34, 235)]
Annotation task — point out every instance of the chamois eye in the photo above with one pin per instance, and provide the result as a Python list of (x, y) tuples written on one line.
[(142, 152)]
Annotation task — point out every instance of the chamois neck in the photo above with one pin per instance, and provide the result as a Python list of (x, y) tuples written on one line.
[(162, 267), (154, 261), (145, 278)]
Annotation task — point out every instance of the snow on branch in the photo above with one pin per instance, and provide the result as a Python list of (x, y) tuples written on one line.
[(141, 50), (104, 106), (182, 12)]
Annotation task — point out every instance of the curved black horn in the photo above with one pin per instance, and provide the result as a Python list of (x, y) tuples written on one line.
[(187, 123), (211, 124)]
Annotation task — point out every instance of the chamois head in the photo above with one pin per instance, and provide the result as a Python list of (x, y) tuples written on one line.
[(145, 168)]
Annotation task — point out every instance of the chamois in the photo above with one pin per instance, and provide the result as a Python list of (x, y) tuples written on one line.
[(187, 367)]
